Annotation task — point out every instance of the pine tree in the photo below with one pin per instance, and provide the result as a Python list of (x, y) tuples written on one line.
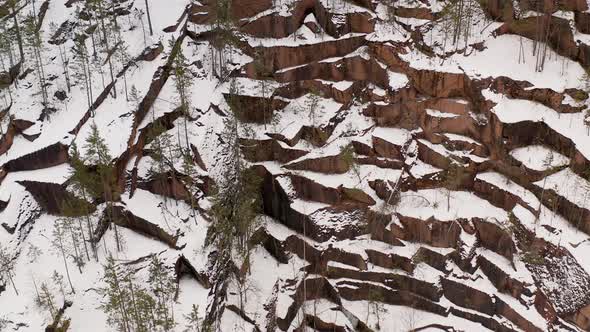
[(116, 304), (81, 181), (15, 16), (63, 55), (102, 183), (452, 180), (236, 204), (33, 39), (46, 301), (163, 287), (313, 105), (99, 9), (183, 82), (195, 321), (7, 265), (59, 243), (83, 72)]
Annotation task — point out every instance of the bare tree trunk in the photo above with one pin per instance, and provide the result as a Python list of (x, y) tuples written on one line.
[(147, 10), (63, 255)]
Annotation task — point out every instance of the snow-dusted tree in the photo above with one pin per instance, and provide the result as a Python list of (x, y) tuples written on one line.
[(83, 72), (45, 299), (347, 156), (6, 38), (190, 171), (34, 42), (138, 14), (102, 183), (195, 321), (81, 180), (313, 105), (262, 85), (183, 82), (63, 55), (99, 9), (7, 265), (375, 306), (14, 12), (237, 201), (59, 242), (116, 298), (163, 286), (452, 180), (224, 37)]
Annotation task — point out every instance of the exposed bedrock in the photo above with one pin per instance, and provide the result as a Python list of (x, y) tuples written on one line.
[(390, 261), (168, 185), (470, 298), (55, 199), (525, 90), (358, 291), (310, 190), (50, 156), (357, 69), (494, 238), (255, 109), (124, 218), (183, 267), (391, 280), (314, 288), (269, 150), (501, 279), (329, 165), (15, 127), (499, 197), (203, 12), (434, 232), (558, 32), (278, 26), (280, 57), (528, 132), (299, 88)]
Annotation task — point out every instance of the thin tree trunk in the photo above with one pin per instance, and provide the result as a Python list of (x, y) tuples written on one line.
[(63, 255), (147, 10)]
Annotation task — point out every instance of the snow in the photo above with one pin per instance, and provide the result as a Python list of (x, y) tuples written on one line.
[(268, 281), (568, 185), (439, 114), (427, 203), (539, 157)]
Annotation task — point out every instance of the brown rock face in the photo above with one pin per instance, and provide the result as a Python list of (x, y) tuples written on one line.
[(494, 238), (56, 200), (52, 155), (436, 233), (126, 219)]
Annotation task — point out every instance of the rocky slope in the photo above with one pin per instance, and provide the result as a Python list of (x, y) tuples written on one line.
[(409, 180)]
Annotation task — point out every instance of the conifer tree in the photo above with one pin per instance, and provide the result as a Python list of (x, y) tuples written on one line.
[(163, 287), (313, 105), (15, 17), (59, 243), (183, 83), (82, 181), (7, 265), (102, 182), (33, 39), (236, 204), (63, 55), (116, 304)]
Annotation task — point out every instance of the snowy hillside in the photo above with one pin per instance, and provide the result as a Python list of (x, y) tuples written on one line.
[(294, 165)]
